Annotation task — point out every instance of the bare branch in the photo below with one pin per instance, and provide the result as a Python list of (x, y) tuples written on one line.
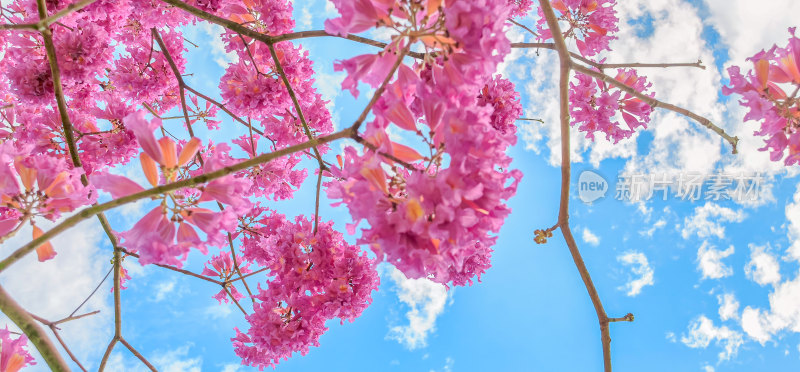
[(137, 354)]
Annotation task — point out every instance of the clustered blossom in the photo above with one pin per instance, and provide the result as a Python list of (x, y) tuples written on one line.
[(13, 353), (590, 22), (317, 276), (594, 105), (155, 236), (764, 92), (520, 8), (433, 217), (501, 94), (37, 185), (432, 207), (276, 180), (222, 267)]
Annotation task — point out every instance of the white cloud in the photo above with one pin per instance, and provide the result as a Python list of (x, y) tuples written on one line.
[(448, 365), (783, 313), (590, 238), (708, 368), (793, 219), (702, 332), (178, 361), (658, 225), (770, 18), (709, 261), (426, 301), (728, 306), (221, 57), (163, 289), (61, 284), (763, 267), (642, 272), (219, 311), (707, 221), (232, 367)]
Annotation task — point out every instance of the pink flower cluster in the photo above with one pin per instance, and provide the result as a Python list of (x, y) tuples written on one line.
[(13, 355), (520, 8), (155, 236), (434, 217), (590, 23), (37, 185), (595, 104), (764, 92), (223, 268), (316, 277)]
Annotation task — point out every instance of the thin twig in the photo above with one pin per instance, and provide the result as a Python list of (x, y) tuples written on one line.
[(137, 354), (93, 292), (176, 269)]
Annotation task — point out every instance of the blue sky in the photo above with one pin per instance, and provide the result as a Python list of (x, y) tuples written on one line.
[(668, 262)]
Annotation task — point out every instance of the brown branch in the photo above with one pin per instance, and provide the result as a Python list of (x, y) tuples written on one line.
[(117, 308), (563, 211), (33, 331), (248, 275), (137, 354), (239, 272), (698, 64), (524, 27), (627, 318), (656, 103), (74, 7), (19, 26), (75, 317), (378, 92), (223, 108), (175, 269), (601, 66), (234, 300), (181, 85), (306, 128), (197, 180), (69, 352), (54, 328), (323, 33), (107, 354), (93, 292)]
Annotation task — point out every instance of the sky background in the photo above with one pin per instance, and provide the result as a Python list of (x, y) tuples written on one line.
[(714, 285)]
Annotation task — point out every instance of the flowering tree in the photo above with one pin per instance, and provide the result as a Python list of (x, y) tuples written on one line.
[(85, 85)]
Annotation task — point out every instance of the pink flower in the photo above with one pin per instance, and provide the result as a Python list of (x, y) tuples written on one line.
[(117, 186), (594, 106), (589, 22), (763, 91), (13, 355), (317, 277), (358, 16)]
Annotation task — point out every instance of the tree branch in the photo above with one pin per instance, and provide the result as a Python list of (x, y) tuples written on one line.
[(33, 331), (197, 180), (733, 141), (563, 211)]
